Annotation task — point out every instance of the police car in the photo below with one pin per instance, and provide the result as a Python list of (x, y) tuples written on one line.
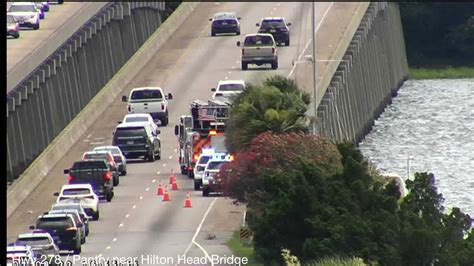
[(201, 163), (210, 171)]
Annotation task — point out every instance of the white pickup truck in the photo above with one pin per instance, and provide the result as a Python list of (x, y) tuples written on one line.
[(149, 100), (259, 49)]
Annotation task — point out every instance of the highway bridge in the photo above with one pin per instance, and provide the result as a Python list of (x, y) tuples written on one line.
[(187, 64)]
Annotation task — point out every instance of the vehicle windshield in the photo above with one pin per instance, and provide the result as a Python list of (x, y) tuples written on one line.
[(224, 16), (54, 223), (146, 95), (130, 132), (214, 165), (90, 165), (111, 150), (273, 23), (66, 207), (257, 40), (33, 241), (76, 191), (136, 119), (204, 159), (10, 19), (231, 87), (22, 8), (92, 156)]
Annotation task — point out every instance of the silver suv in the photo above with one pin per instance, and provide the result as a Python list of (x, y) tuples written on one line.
[(259, 49)]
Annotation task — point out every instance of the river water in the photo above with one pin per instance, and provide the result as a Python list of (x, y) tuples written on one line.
[(429, 127)]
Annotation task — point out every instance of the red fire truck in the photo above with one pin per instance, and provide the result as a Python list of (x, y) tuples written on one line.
[(204, 128)]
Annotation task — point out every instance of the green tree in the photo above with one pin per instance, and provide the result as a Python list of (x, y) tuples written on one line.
[(428, 235), (277, 106)]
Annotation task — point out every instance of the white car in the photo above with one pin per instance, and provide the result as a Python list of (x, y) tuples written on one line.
[(26, 13), (141, 117), (118, 157), (201, 163), (80, 193), (228, 89), (41, 243), (150, 100), (20, 255), (213, 167)]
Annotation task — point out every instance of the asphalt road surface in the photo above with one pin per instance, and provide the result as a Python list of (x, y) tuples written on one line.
[(137, 223)]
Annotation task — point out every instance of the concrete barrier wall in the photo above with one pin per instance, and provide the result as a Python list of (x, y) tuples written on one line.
[(374, 67), (126, 27)]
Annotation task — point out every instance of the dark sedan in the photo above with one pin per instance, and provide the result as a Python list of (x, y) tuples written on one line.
[(225, 22)]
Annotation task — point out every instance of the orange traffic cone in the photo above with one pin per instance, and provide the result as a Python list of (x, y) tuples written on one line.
[(174, 186), (166, 195), (159, 190), (187, 202)]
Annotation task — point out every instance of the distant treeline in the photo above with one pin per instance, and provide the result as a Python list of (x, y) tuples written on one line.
[(438, 34)]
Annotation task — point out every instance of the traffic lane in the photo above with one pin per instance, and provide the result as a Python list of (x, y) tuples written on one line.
[(103, 131), (187, 67)]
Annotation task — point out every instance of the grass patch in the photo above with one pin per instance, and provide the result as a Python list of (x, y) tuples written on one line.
[(441, 73), (239, 250)]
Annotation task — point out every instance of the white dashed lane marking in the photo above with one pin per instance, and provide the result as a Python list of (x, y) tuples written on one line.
[(108, 247), (141, 197), (153, 181), (120, 225), (164, 165), (147, 189), (115, 239), (128, 215), (134, 206), (171, 157)]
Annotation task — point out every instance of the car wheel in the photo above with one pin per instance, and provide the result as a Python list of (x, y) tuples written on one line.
[(287, 42), (244, 66), (151, 157), (83, 240), (109, 196), (60, 2), (237, 32), (197, 185), (205, 192), (116, 181), (123, 173), (158, 156), (78, 250), (17, 36), (87, 231), (96, 215), (164, 121), (275, 65), (213, 33), (190, 174), (36, 26), (183, 170)]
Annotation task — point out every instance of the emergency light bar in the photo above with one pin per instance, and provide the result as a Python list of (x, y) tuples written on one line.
[(212, 132)]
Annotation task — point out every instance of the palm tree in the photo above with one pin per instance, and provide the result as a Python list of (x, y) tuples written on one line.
[(277, 106)]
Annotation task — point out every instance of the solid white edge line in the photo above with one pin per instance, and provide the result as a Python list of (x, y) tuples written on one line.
[(309, 41), (193, 240)]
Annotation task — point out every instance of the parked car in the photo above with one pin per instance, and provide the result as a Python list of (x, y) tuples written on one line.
[(109, 158), (204, 157), (80, 193), (150, 100), (40, 8), (137, 139), (225, 22), (65, 205), (62, 228), (259, 49), (211, 179), (26, 14), (13, 27), (42, 244), (277, 27), (118, 157), (228, 89)]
